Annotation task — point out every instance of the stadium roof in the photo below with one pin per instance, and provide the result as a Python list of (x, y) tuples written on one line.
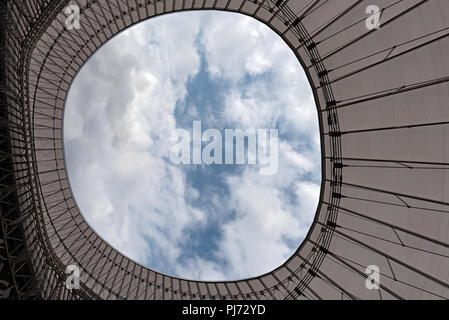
[(382, 98)]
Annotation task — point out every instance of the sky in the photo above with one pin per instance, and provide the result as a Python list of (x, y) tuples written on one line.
[(201, 222)]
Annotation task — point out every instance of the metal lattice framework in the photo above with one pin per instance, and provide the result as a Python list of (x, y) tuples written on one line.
[(382, 99)]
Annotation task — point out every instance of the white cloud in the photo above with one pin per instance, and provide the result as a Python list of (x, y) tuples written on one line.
[(119, 113), (254, 242), (118, 121)]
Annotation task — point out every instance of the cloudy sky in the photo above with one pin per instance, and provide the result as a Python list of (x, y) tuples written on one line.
[(209, 222)]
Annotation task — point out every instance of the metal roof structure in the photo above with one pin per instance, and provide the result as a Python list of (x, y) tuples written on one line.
[(382, 97)]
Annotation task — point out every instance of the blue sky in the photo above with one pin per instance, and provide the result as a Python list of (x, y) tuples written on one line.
[(210, 222)]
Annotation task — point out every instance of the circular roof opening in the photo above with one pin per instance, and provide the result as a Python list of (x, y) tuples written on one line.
[(192, 146)]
